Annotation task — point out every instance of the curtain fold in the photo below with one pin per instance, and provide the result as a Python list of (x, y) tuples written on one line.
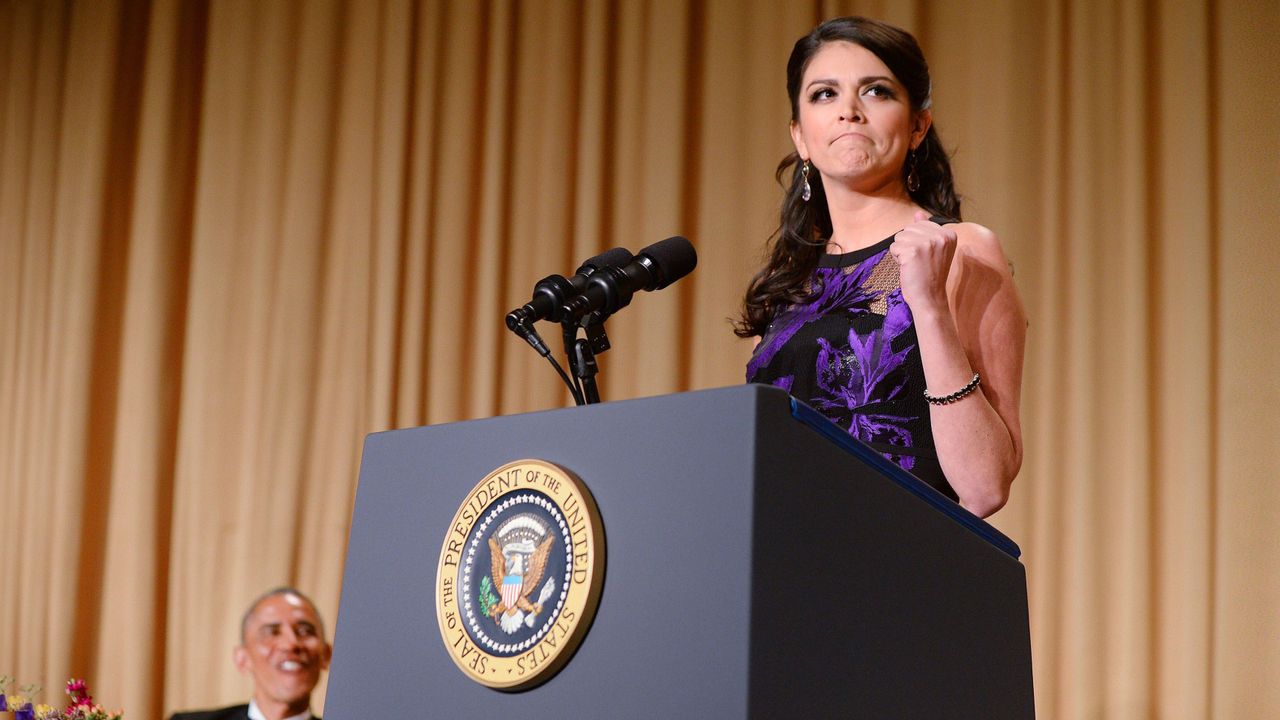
[(236, 237)]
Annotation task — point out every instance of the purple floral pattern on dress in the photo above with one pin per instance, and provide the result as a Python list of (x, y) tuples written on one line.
[(858, 378)]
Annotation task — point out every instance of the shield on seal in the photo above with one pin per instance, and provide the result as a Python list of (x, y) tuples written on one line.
[(511, 590)]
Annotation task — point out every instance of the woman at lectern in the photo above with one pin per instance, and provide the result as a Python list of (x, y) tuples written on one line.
[(877, 305)]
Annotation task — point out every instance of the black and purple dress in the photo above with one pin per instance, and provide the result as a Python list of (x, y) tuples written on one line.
[(851, 353)]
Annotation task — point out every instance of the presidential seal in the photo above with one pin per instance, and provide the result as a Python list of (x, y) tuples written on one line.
[(520, 575)]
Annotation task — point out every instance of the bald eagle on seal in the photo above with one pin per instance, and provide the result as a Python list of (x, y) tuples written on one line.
[(517, 578)]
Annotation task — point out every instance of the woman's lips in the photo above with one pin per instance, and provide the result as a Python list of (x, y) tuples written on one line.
[(849, 136)]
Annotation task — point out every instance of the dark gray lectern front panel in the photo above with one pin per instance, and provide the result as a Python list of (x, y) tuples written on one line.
[(754, 568)]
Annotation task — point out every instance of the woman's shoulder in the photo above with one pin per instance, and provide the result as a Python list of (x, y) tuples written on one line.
[(978, 241), (969, 233), (972, 233)]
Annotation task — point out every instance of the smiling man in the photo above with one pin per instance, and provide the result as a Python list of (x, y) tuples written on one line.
[(283, 650)]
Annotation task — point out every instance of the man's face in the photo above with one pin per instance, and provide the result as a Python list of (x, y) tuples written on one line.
[(283, 651)]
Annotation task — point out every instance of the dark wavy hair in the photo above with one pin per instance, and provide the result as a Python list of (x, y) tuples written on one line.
[(795, 246)]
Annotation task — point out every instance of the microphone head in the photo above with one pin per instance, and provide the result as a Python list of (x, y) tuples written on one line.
[(671, 260), (615, 257)]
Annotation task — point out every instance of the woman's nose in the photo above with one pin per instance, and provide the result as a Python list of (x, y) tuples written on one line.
[(852, 111)]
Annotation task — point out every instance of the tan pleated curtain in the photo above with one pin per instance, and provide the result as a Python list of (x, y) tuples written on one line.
[(235, 237)]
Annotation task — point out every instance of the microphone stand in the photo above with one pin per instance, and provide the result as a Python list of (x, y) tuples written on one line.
[(582, 352), (526, 332), (569, 332)]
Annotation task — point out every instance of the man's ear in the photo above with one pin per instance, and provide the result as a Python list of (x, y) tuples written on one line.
[(801, 148), (326, 656), (920, 127), (240, 656)]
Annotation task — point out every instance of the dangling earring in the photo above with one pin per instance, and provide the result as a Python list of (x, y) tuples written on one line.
[(805, 192), (913, 181)]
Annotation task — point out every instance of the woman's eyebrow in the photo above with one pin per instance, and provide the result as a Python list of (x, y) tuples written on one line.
[(861, 81)]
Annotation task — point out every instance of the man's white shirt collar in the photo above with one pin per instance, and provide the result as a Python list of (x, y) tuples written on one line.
[(256, 714)]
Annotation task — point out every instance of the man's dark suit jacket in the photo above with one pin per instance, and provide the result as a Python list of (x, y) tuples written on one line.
[(235, 712)]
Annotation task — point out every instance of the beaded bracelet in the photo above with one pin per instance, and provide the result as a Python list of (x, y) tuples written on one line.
[(948, 399)]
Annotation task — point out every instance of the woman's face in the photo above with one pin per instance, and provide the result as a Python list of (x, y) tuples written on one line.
[(856, 123)]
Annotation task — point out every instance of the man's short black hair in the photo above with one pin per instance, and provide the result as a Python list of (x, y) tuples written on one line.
[(282, 590)]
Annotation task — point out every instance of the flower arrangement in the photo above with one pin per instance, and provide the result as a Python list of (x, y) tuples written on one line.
[(81, 706)]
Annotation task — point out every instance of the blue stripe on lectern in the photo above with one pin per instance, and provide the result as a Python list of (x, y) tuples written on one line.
[(904, 479)]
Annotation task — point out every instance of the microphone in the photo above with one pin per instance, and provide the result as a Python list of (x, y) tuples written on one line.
[(609, 288), (552, 292)]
